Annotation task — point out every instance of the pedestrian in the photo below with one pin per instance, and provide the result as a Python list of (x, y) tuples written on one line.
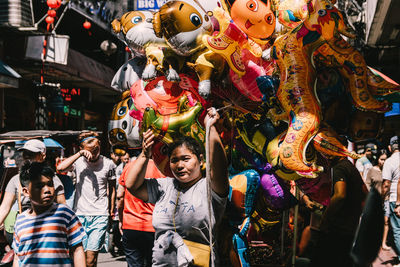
[(374, 179), (136, 220), (14, 201), (340, 219), (47, 234), (124, 160), (95, 191), (391, 175), (181, 213), (364, 163), (115, 231), (115, 157)]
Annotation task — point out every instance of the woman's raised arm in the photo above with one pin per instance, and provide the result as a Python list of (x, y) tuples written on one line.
[(218, 160)]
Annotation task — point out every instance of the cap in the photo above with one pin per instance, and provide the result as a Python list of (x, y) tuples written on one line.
[(35, 146), (371, 146), (394, 140)]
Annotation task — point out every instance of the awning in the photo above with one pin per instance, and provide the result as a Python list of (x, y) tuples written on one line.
[(8, 76), (48, 142)]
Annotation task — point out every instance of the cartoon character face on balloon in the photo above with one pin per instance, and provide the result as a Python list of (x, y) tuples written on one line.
[(123, 130), (181, 23), (137, 29), (253, 17)]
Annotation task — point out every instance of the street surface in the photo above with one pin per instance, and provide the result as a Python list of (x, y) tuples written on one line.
[(385, 259), (106, 260)]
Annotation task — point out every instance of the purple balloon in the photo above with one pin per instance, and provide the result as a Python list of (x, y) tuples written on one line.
[(275, 190)]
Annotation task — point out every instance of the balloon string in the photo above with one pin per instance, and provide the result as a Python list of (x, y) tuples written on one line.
[(208, 179)]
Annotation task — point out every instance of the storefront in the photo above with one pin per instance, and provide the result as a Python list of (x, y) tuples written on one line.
[(70, 88)]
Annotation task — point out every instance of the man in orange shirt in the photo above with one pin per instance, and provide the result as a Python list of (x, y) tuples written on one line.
[(135, 218)]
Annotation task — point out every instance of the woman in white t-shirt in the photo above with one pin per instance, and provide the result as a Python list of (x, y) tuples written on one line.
[(181, 208)]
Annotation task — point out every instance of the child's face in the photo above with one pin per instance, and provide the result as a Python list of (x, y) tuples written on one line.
[(40, 191)]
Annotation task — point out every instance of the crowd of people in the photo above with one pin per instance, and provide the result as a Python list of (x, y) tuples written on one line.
[(60, 214)]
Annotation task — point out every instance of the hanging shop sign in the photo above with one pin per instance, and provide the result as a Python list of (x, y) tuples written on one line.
[(71, 94), (149, 4), (72, 112)]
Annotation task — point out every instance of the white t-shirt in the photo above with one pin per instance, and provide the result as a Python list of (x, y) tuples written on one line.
[(91, 185), (190, 213), (363, 165), (391, 172)]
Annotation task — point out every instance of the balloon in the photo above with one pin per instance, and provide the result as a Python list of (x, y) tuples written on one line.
[(272, 155), (326, 142), (229, 42), (254, 68), (255, 18), (276, 192), (137, 30), (162, 95), (128, 74), (264, 217), (242, 191), (293, 53), (166, 128), (242, 195), (123, 130), (292, 12), (182, 24), (382, 87)]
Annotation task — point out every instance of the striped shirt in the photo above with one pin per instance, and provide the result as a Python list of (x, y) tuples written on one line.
[(46, 239)]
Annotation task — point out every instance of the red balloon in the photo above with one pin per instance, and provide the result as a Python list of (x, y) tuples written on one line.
[(49, 20), (51, 13), (54, 3), (87, 25)]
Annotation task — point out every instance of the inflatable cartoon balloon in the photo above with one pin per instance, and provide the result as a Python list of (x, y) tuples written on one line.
[(128, 74), (138, 34), (275, 190), (166, 128), (123, 130), (242, 195), (137, 30), (182, 24)]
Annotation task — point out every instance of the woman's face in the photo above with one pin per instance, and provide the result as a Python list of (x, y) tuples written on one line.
[(185, 165), (254, 17), (381, 160)]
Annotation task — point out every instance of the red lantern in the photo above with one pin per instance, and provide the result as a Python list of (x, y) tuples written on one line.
[(51, 13), (127, 49), (54, 3), (87, 25), (49, 20)]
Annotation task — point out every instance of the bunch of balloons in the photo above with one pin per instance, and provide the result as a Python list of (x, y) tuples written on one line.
[(291, 85)]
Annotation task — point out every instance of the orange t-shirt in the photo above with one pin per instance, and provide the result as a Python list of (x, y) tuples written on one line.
[(137, 215)]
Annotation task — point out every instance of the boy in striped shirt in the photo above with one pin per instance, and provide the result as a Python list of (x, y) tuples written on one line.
[(48, 233)]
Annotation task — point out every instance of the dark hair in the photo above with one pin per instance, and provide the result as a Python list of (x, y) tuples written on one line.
[(379, 154), (31, 171), (188, 142)]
